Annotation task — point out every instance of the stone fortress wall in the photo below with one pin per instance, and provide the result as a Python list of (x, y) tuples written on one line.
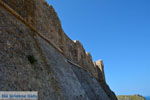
[(43, 18)]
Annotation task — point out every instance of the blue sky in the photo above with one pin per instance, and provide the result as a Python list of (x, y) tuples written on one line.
[(116, 31)]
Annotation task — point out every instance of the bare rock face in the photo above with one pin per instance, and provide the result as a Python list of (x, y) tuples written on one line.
[(36, 55)]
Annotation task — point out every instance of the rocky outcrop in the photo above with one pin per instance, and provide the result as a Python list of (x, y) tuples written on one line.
[(35, 51), (130, 97)]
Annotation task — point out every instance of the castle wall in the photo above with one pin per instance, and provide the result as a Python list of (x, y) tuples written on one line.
[(44, 18), (29, 63)]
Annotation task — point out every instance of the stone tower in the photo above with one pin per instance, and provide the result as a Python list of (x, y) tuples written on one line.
[(100, 68)]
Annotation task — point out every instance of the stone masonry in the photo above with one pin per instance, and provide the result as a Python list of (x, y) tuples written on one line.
[(43, 18)]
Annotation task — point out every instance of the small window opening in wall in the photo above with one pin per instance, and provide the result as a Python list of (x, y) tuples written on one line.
[(31, 59)]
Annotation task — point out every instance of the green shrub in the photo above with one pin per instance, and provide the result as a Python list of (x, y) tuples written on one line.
[(31, 59)]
